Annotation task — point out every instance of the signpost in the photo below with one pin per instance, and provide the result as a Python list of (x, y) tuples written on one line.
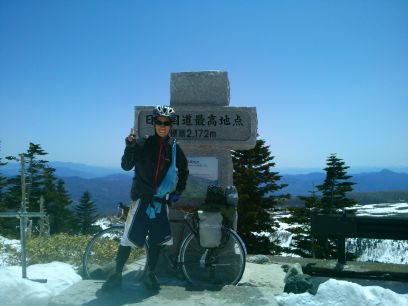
[(23, 215)]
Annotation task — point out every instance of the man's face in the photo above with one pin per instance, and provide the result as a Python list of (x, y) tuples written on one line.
[(162, 126)]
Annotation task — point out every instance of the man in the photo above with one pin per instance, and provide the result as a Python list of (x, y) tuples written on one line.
[(154, 160)]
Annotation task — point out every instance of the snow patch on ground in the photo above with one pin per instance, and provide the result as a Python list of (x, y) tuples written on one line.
[(339, 293), (16, 291)]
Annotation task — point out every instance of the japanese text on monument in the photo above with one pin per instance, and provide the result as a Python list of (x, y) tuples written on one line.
[(203, 125)]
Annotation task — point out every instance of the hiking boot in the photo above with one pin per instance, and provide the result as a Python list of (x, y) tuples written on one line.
[(150, 281), (113, 282)]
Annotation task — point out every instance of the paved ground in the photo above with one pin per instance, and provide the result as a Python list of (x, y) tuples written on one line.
[(87, 293), (259, 285)]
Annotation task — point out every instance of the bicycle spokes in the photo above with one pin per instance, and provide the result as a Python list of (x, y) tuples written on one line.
[(99, 259), (223, 265)]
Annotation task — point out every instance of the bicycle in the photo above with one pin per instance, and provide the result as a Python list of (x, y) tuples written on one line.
[(222, 265)]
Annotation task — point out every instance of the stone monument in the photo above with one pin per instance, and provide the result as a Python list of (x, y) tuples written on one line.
[(206, 128)]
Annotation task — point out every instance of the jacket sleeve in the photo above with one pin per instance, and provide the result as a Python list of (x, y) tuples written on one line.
[(131, 154), (182, 167)]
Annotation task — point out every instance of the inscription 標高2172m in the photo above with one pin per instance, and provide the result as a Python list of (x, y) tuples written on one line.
[(227, 124), (193, 133)]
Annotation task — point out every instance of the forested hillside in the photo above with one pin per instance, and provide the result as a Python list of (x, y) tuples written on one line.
[(108, 190)]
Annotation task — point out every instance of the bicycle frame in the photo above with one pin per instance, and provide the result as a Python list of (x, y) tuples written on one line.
[(224, 264), (188, 225)]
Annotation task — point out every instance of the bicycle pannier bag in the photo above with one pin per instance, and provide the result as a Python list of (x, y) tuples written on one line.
[(210, 228)]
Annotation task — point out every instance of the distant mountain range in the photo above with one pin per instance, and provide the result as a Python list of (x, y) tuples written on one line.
[(106, 191), (108, 186), (303, 184), (64, 169)]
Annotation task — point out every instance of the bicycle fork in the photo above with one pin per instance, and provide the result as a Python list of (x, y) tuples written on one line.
[(203, 259)]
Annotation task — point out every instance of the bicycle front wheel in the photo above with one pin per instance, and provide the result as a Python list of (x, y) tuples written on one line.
[(223, 265), (99, 259)]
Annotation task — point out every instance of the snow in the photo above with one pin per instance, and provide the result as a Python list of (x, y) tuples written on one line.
[(16, 291), (12, 243), (103, 223), (381, 210), (340, 293)]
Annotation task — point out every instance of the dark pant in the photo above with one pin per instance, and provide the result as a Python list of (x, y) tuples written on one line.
[(124, 252), (157, 228)]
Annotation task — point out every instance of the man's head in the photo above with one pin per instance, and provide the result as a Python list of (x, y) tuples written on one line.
[(163, 116)]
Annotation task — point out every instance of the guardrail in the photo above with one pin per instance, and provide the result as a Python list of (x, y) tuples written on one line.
[(346, 226)]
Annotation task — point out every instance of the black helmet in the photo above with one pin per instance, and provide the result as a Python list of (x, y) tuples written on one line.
[(164, 111)]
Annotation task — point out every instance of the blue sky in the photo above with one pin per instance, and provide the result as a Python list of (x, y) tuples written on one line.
[(325, 76)]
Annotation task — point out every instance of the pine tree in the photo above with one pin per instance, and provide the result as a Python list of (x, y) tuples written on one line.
[(256, 185), (86, 214), (3, 184), (300, 217), (334, 200), (56, 202), (40, 181), (13, 200), (36, 173), (329, 197), (34, 179), (335, 186), (5, 223)]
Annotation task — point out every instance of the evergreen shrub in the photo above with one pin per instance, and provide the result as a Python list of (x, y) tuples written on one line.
[(59, 247)]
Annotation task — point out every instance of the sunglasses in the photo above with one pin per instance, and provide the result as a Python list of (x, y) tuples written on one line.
[(165, 123)]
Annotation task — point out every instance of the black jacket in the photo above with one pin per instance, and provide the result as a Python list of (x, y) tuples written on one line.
[(143, 156)]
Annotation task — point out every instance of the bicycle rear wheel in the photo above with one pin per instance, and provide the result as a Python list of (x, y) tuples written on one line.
[(223, 265), (99, 259)]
